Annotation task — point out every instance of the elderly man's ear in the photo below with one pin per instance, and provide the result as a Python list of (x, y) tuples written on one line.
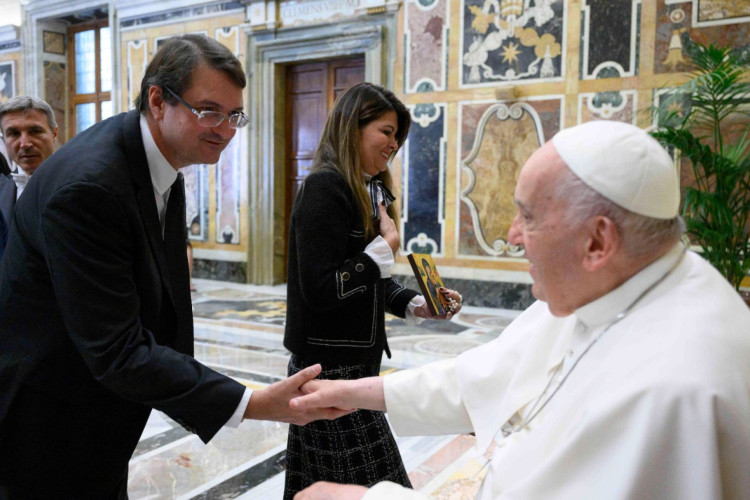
[(603, 243)]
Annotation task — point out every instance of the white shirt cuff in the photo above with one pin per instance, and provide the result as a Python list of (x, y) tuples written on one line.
[(411, 318), (236, 419), (381, 253)]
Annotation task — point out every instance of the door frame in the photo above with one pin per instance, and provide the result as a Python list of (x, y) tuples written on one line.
[(328, 68), (268, 53)]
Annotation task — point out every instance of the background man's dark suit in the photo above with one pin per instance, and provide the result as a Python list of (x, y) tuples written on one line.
[(7, 202), (85, 283)]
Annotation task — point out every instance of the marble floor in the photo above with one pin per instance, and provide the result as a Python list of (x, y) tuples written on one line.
[(239, 331)]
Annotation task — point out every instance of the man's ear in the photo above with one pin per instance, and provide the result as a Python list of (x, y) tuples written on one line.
[(156, 101), (603, 243)]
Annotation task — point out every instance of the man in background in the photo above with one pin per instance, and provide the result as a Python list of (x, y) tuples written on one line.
[(29, 131), (628, 378)]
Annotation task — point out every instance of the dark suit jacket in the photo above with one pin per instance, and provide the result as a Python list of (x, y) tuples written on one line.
[(336, 300), (92, 332), (4, 166), (7, 202)]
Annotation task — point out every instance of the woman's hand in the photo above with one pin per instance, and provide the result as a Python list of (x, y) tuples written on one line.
[(388, 229)]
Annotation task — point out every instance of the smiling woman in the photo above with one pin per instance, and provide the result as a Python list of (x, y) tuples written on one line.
[(343, 239)]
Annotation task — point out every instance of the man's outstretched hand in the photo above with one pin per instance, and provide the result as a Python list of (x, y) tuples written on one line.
[(272, 402)]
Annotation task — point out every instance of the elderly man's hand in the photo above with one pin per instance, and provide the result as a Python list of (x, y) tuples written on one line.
[(341, 395), (331, 491), (272, 403)]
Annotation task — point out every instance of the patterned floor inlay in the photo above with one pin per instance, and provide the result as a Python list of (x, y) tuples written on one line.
[(239, 332)]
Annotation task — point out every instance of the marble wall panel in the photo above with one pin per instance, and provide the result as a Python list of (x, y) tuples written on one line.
[(54, 93), (509, 40), (425, 45), (722, 10), (609, 38), (617, 105), (7, 80), (220, 270), (229, 36), (196, 201), (137, 60), (682, 22), (424, 181), (496, 140), (228, 193), (12, 59)]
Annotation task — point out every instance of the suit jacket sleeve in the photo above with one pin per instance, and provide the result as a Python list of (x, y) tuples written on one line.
[(330, 276), (327, 228), (91, 261), (397, 297)]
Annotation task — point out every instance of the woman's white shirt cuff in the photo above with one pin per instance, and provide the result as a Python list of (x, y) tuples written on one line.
[(381, 253)]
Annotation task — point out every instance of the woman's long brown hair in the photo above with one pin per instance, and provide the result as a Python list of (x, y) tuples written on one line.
[(339, 143)]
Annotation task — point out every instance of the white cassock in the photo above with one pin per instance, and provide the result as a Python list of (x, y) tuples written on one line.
[(659, 406)]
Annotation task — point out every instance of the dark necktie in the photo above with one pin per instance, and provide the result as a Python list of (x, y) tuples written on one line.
[(176, 253)]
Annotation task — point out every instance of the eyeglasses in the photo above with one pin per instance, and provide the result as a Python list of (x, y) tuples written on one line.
[(213, 118)]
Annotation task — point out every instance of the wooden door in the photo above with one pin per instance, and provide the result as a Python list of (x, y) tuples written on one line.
[(311, 89)]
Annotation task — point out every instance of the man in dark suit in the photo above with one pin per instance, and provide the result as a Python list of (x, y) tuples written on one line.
[(95, 311), (29, 131), (7, 200)]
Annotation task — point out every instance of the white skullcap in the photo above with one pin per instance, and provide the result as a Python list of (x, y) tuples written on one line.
[(624, 164)]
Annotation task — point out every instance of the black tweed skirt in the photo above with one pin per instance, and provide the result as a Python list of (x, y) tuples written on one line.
[(356, 449)]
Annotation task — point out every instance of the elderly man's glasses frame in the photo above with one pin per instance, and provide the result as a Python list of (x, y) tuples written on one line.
[(213, 118)]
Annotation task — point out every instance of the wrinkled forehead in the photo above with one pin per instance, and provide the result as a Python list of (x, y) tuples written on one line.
[(539, 176), (24, 118)]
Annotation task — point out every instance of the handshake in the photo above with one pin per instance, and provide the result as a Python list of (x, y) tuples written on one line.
[(301, 399)]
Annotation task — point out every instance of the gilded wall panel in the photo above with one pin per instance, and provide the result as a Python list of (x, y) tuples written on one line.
[(229, 36), (682, 22), (510, 41), (496, 140)]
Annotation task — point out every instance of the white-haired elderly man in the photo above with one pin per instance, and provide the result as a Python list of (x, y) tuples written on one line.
[(628, 378)]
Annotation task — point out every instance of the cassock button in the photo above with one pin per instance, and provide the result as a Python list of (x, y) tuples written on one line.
[(359, 267)]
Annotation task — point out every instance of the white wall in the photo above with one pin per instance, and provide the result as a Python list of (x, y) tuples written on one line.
[(11, 12)]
